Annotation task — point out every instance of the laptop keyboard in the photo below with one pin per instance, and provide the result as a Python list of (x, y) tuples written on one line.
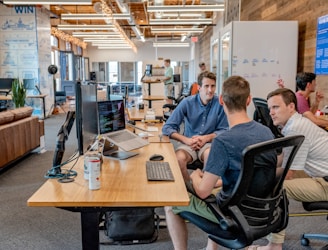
[(121, 136), (159, 171)]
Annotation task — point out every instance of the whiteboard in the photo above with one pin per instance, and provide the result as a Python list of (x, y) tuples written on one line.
[(264, 52)]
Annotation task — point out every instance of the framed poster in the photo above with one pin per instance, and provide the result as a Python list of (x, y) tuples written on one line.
[(321, 60)]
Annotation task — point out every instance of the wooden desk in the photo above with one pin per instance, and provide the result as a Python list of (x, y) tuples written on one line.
[(42, 97), (324, 117), (5, 91), (5, 98), (136, 114), (123, 184)]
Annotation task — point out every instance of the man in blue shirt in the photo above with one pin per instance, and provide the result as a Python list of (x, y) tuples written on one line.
[(203, 119)]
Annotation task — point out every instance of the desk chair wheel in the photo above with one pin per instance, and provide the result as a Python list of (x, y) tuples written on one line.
[(313, 206), (304, 241)]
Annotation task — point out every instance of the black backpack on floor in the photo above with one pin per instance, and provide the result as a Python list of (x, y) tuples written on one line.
[(130, 226)]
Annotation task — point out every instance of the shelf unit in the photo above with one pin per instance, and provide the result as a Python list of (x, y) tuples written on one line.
[(151, 98)]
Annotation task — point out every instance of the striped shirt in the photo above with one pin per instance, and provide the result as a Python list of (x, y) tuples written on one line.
[(312, 156)]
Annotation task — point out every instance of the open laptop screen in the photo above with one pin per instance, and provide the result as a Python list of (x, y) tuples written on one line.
[(111, 116)]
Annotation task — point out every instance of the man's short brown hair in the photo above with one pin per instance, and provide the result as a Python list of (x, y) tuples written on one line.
[(206, 74)]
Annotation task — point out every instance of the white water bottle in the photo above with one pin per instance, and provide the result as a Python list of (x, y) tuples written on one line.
[(86, 167), (94, 172)]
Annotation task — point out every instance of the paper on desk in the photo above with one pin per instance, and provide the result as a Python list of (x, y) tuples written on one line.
[(152, 129)]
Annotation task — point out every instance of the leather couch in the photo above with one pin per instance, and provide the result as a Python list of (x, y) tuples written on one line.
[(20, 134)]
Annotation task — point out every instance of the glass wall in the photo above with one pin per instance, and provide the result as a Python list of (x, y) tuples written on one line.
[(120, 75)]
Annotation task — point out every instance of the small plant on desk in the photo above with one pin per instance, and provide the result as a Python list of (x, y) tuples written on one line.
[(18, 93)]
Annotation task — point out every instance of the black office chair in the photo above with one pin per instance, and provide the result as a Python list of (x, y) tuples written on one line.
[(168, 108), (244, 218), (262, 115), (313, 206)]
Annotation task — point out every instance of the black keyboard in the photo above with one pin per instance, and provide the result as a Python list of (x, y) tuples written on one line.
[(159, 171)]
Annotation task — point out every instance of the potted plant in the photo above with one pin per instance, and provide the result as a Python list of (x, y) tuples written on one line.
[(18, 93)]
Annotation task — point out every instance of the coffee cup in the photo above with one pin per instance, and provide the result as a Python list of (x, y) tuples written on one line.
[(143, 135)]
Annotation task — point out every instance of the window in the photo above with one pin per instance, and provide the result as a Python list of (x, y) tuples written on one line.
[(113, 72), (127, 72)]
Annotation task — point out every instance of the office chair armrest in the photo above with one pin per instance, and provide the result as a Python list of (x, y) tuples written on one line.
[(169, 106), (225, 222)]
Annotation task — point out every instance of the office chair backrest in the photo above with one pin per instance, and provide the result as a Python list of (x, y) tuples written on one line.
[(250, 165), (245, 216), (262, 115), (262, 215)]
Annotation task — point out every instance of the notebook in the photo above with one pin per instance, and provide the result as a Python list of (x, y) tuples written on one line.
[(111, 125)]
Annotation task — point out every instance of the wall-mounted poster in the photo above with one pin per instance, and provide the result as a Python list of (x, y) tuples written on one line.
[(321, 61)]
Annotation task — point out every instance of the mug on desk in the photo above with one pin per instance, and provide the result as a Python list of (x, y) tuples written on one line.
[(143, 135)]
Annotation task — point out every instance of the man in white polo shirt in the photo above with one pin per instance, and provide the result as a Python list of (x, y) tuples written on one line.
[(312, 156)]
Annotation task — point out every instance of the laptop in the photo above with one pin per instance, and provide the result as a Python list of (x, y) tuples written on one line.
[(111, 125)]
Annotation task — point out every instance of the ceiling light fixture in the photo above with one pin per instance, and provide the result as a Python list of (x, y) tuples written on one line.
[(96, 34), (86, 27), (115, 47), (170, 44), (180, 21), (68, 38), (93, 16), (185, 14), (184, 8), (176, 30), (105, 41), (41, 2), (108, 11), (112, 45)]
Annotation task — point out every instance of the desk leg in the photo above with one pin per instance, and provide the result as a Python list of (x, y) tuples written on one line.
[(149, 94), (149, 90), (90, 230), (44, 107)]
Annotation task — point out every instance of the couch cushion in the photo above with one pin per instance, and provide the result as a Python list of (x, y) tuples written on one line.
[(6, 117), (22, 112)]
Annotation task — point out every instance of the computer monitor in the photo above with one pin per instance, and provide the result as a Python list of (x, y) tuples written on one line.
[(111, 116), (29, 84), (6, 84), (31, 87), (86, 115), (149, 69), (176, 78)]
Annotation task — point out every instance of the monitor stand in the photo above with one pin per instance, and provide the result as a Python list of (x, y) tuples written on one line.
[(112, 151)]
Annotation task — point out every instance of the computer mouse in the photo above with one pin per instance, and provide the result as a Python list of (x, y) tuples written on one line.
[(156, 157)]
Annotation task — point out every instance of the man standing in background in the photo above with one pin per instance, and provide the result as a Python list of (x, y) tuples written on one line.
[(202, 67), (168, 80)]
